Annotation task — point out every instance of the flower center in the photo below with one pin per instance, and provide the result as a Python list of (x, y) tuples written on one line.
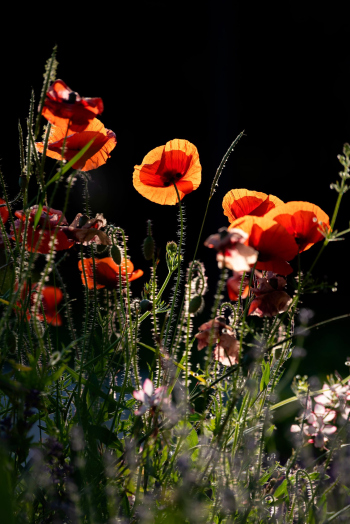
[(171, 178)]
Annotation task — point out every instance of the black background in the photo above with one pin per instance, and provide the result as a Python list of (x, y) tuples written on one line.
[(202, 71)]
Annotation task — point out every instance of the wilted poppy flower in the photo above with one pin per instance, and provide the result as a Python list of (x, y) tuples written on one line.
[(97, 154), (240, 202), (227, 347), (106, 272), (49, 226), (234, 284), (175, 163), (270, 299), (84, 230), (232, 251), (4, 212), (274, 243), (62, 105), (303, 220)]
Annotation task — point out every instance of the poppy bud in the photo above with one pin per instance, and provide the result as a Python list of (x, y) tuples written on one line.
[(146, 305), (195, 304), (116, 255), (171, 256), (171, 249), (148, 248)]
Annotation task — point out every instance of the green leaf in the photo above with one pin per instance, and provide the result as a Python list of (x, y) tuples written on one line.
[(38, 215), (281, 490), (265, 376), (105, 436)]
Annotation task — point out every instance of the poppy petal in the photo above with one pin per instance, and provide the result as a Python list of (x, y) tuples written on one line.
[(240, 202), (97, 154), (62, 105), (275, 245), (303, 220)]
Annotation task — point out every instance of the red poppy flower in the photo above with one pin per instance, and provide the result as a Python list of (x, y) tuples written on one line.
[(240, 202), (106, 272), (302, 220), (270, 299), (62, 105), (49, 225), (50, 298), (274, 243), (176, 162), (97, 154), (4, 212), (234, 284)]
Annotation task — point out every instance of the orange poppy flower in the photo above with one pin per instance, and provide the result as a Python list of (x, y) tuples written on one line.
[(302, 220), (51, 223), (97, 154), (176, 162), (106, 272), (4, 212), (274, 243), (240, 202), (62, 105)]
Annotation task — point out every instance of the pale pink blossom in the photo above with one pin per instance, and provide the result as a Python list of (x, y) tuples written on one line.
[(315, 425), (151, 398), (232, 251)]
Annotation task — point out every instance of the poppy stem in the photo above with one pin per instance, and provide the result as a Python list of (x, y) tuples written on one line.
[(178, 276)]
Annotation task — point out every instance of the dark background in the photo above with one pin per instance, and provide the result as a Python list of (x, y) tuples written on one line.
[(204, 72)]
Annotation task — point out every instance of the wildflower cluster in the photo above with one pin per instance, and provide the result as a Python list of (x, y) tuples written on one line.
[(104, 417)]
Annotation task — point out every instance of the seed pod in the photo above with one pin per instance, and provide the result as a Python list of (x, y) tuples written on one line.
[(148, 248), (116, 255), (195, 304)]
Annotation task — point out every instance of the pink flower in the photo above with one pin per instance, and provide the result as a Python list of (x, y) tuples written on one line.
[(270, 299), (150, 397), (335, 396), (232, 251), (315, 426)]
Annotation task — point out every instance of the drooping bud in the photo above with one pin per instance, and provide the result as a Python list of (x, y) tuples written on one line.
[(116, 255), (196, 304), (146, 305)]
